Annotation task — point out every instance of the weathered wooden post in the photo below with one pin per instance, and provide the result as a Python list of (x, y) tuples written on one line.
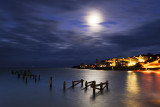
[(35, 78), (95, 82), (86, 84), (39, 77), (107, 84), (101, 86), (93, 86), (18, 75), (72, 83), (64, 85), (26, 80), (25, 73), (50, 82), (82, 82)]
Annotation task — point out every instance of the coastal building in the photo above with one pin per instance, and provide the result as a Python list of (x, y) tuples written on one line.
[(104, 63), (113, 63), (130, 61), (122, 63), (144, 61), (84, 66)]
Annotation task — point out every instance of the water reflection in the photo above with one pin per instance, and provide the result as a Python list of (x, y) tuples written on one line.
[(138, 89), (150, 79), (157, 72), (132, 83), (157, 79), (146, 87), (93, 97), (92, 75), (132, 90), (147, 82), (150, 86)]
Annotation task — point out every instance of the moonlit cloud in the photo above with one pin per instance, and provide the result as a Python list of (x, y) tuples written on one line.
[(93, 19), (66, 33)]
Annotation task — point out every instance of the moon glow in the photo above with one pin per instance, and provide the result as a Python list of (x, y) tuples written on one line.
[(94, 18)]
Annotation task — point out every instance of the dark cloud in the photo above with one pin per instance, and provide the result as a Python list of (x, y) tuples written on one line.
[(144, 36), (53, 33)]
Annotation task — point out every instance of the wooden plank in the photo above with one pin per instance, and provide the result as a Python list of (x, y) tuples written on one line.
[(77, 81)]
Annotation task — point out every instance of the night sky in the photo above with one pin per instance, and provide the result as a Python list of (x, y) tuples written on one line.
[(63, 33)]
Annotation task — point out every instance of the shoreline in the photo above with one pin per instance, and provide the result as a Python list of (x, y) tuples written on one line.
[(116, 68)]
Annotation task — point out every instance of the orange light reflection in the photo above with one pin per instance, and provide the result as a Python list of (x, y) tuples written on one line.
[(150, 71), (154, 64)]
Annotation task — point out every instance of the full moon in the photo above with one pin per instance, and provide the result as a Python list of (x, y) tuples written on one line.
[(94, 18)]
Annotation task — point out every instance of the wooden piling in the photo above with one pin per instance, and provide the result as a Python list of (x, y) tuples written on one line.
[(64, 85), (107, 84), (18, 75), (50, 82), (24, 73), (93, 86), (26, 80), (82, 82), (86, 84), (72, 83), (101, 86), (35, 78)]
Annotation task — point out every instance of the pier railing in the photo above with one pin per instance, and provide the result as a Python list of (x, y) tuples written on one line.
[(74, 83), (100, 86)]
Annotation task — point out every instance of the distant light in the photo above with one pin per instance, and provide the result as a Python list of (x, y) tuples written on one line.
[(94, 18)]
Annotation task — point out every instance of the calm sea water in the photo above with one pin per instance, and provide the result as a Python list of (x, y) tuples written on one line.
[(126, 89)]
